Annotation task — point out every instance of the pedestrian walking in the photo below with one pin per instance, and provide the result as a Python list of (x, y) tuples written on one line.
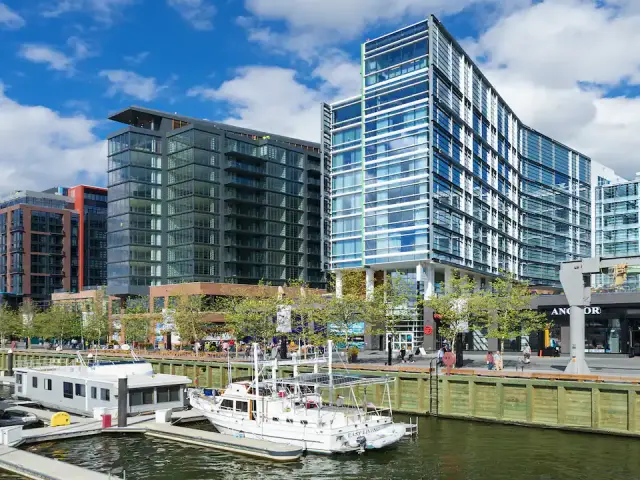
[(526, 353), (441, 357), (497, 359), (403, 353), (490, 361)]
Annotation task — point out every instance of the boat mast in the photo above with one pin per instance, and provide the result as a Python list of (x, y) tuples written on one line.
[(257, 381), (330, 347)]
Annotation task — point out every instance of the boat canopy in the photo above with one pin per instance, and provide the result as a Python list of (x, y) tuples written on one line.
[(324, 379)]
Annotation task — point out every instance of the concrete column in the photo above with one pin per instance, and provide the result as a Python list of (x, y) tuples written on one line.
[(448, 273), (369, 282), (123, 394), (427, 275), (338, 283), (429, 282), (577, 364)]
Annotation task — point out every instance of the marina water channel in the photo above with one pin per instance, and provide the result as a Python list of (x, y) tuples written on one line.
[(444, 449)]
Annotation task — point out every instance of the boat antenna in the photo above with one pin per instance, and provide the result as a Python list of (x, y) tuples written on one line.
[(229, 366), (330, 348), (257, 382)]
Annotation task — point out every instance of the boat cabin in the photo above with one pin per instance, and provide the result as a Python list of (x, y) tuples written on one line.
[(84, 388)]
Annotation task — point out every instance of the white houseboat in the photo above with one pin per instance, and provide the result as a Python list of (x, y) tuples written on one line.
[(292, 410), (83, 388)]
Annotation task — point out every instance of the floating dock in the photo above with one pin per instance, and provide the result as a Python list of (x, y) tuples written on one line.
[(147, 424), (217, 441), (36, 467)]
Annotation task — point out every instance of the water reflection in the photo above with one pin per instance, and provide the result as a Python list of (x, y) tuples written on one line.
[(445, 449)]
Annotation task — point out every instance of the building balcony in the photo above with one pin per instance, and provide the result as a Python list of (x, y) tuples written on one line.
[(246, 183), (245, 168), (242, 197)]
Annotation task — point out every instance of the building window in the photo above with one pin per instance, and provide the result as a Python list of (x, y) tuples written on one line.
[(105, 394), (67, 388), (143, 396), (80, 390), (94, 392), (48, 384), (34, 382)]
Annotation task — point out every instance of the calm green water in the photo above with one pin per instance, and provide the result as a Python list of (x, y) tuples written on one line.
[(445, 450)]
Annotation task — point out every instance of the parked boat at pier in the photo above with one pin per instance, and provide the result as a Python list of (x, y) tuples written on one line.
[(90, 388), (292, 410)]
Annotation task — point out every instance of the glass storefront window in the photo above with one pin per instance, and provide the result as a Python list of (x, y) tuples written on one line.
[(602, 335)]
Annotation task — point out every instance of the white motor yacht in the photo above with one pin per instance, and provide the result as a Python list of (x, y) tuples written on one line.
[(292, 410)]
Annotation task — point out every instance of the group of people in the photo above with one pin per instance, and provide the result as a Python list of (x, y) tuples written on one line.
[(495, 362), (444, 349)]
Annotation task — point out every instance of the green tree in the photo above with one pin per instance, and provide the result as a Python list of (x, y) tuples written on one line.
[(188, 317), (136, 319), (344, 314), (58, 322), (309, 317), (254, 314), (96, 325), (508, 310), (393, 302), (9, 323), (458, 306), (28, 321)]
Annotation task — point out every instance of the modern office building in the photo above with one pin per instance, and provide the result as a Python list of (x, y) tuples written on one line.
[(38, 245), (600, 175), (198, 201), (618, 229), (91, 204), (432, 170)]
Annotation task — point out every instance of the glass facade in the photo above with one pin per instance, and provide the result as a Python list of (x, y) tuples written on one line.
[(38, 245), (196, 201), (556, 206), (134, 211), (618, 228), (430, 164), (95, 238)]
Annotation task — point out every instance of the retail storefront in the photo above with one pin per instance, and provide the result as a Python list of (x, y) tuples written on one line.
[(612, 322)]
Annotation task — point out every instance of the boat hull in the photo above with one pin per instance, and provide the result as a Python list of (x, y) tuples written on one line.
[(351, 439)]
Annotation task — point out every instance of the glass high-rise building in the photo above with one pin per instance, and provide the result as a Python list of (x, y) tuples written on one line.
[(432, 170), (197, 201), (618, 228)]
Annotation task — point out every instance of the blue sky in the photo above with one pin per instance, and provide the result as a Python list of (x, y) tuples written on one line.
[(568, 67)]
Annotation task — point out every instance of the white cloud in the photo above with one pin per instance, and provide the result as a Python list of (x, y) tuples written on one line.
[(270, 99), (313, 24), (136, 59), (131, 84), (10, 19), (54, 58), (278, 100), (558, 65), (103, 11), (198, 13), (66, 146), (80, 48), (38, 53)]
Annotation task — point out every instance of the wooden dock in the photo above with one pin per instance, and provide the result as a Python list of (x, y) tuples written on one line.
[(37, 467)]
